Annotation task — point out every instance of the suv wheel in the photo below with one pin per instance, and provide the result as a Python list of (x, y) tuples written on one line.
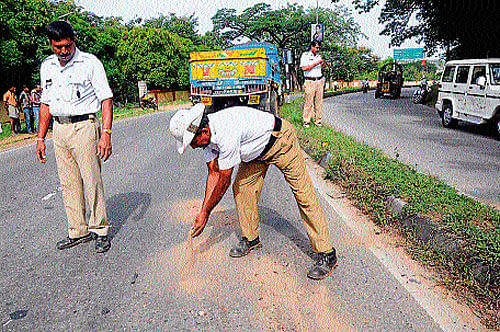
[(497, 127), (446, 117)]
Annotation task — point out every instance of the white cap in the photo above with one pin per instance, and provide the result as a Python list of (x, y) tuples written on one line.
[(184, 125)]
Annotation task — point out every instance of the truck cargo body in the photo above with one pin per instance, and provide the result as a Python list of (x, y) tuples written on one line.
[(246, 74)]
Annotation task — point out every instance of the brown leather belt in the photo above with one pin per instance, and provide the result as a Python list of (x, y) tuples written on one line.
[(272, 139), (313, 78), (74, 118)]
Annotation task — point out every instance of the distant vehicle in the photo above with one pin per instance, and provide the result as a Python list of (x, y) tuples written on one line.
[(365, 86), (247, 74), (420, 95), (390, 81), (469, 91), (148, 102)]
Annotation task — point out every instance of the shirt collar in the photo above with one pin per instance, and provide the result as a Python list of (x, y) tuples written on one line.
[(76, 58)]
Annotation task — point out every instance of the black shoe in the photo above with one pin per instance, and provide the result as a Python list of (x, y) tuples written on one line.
[(102, 243), (323, 266), (244, 247), (69, 242)]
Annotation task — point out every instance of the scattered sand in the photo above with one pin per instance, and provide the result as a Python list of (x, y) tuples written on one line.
[(276, 292)]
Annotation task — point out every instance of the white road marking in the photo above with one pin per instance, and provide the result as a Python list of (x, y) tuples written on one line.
[(49, 196)]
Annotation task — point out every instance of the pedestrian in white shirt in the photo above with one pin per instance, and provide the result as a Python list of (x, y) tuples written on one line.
[(75, 88), (311, 63), (252, 139)]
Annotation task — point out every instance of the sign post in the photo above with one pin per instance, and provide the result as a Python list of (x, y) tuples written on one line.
[(408, 54)]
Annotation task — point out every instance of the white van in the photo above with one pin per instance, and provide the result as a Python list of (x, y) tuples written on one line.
[(470, 91)]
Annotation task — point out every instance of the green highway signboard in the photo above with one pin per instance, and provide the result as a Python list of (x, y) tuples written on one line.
[(408, 53)]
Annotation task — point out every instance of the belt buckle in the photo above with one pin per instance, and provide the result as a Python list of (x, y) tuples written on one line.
[(64, 119)]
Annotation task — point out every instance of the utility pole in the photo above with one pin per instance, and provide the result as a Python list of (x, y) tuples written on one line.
[(317, 8)]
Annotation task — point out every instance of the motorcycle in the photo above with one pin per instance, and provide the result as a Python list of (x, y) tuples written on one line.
[(364, 87), (148, 103), (420, 95)]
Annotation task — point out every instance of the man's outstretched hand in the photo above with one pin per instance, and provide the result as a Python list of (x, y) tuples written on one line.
[(199, 224)]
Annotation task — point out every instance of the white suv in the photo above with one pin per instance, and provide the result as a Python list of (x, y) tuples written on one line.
[(470, 91)]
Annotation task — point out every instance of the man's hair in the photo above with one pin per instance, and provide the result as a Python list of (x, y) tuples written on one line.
[(315, 43), (203, 124), (58, 30)]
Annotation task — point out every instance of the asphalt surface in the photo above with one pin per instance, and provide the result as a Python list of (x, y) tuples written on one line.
[(150, 280), (467, 158)]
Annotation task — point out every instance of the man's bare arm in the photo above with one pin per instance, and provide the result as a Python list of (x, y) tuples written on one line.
[(43, 127), (218, 182)]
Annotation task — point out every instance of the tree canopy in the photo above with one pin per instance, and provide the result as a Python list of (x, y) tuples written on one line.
[(289, 28), (157, 49), (463, 29)]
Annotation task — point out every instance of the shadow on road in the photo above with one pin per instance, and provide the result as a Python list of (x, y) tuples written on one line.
[(122, 207), (225, 223), (275, 220)]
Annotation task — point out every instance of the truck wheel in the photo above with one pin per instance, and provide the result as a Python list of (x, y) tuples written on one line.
[(377, 94), (446, 117), (273, 100), (264, 104)]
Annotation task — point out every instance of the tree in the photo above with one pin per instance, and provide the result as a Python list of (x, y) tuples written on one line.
[(352, 63), (22, 43), (464, 29), (156, 56), (289, 28)]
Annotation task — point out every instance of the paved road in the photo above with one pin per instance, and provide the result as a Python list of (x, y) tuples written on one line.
[(149, 281), (468, 158)]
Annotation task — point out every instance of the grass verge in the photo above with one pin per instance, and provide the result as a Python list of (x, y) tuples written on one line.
[(370, 178)]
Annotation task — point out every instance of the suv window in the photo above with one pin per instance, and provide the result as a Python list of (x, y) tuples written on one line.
[(477, 72), (495, 73), (462, 74), (448, 74)]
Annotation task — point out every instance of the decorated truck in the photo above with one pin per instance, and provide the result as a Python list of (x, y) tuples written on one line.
[(246, 74)]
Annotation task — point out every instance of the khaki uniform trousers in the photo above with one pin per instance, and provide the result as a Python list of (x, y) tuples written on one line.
[(313, 102), (287, 156), (79, 167)]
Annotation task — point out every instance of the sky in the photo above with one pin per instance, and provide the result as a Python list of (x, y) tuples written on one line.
[(204, 10)]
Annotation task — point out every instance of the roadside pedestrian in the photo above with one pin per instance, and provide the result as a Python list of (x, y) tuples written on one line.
[(12, 110), (27, 107), (311, 63), (75, 88), (252, 139), (36, 95)]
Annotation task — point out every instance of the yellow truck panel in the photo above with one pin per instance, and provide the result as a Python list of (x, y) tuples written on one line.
[(228, 64), (214, 69)]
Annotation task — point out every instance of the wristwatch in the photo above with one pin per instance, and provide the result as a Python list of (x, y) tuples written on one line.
[(107, 131)]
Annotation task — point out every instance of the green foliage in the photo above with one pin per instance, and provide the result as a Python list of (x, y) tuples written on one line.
[(289, 28), (21, 42), (156, 56), (463, 28), (414, 72)]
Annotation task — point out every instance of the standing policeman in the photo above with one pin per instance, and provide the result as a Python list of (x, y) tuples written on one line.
[(311, 63), (75, 88)]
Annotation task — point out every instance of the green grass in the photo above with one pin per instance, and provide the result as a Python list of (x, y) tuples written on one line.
[(370, 178)]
